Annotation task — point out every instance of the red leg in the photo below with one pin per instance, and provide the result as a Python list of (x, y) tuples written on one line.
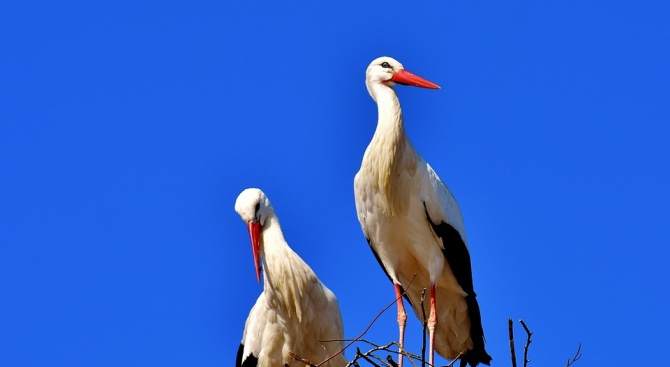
[(402, 319), (432, 321)]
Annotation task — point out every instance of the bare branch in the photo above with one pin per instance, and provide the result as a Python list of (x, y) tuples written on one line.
[(391, 361), (528, 341), (375, 348), (364, 356), (454, 361), (369, 325), (372, 356), (577, 356), (510, 325), (300, 359)]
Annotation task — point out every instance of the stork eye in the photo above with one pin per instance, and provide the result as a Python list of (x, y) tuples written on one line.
[(386, 65), (258, 207)]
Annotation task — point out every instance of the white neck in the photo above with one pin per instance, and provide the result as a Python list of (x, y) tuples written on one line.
[(388, 109), (273, 248), (286, 275), (385, 152)]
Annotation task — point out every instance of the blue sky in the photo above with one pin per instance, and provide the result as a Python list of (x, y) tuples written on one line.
[(128, 130)]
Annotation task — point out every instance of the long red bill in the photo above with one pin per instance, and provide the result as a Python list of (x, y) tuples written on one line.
[(403, 76), (255, 233)]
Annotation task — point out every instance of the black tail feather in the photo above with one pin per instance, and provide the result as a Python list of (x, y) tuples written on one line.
[(477, 354)]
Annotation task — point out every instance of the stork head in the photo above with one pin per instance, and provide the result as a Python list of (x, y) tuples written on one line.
[(254, 208), (388, 71)]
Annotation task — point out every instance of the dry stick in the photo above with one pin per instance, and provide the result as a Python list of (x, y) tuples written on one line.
[(371, 355), (300, 359), (577, 356), (454, 361), (390, 360), (377, 348), (361, 355), (354, 361), (528, 341), (511, 341), (423, 341), (379, 359), (387, 348), (366, 329)]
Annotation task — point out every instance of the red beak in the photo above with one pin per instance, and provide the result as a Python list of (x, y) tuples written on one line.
[(255, 233), (403, 76)]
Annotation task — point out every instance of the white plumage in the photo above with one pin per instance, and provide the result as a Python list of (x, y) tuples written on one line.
[(296, 312), (414, 225)]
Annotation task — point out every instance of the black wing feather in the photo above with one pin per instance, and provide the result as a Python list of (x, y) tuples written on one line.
[(250, 361), (458, 258)]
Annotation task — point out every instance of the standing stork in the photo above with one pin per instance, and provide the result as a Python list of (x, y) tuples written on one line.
[(296, 313), (414, 226)]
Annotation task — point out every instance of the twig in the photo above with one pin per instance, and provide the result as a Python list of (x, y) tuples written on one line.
[(368, 327), (451, 364), (364, 356), (528, 341), (510, 325), (390, 360), (577, 356), (387, 348), (377, 347), (300, 359)]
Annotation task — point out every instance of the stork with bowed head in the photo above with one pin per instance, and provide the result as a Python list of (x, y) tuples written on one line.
[(414, 226), (296, 313)]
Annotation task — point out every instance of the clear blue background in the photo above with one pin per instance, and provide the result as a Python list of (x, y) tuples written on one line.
[(128, 129)]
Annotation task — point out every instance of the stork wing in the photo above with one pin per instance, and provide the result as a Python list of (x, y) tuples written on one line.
[(440, 204), (361, 196), (250, 347), (249, 361), (445, 219)]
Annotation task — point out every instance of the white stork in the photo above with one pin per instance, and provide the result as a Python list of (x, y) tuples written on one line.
[(414, 226), (296, 312)]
